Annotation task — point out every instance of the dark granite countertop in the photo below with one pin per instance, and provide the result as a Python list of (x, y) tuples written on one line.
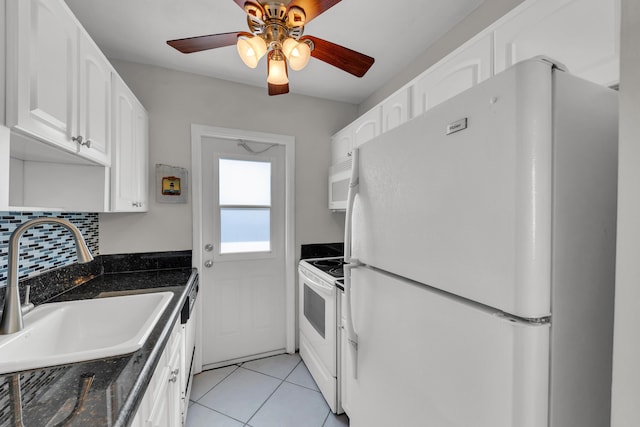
[(49, 396)]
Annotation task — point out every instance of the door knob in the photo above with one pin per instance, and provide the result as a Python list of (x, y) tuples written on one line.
[(208, 263), (208, 247)]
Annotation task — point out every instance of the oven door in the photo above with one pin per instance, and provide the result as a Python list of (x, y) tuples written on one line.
[(318, 319)]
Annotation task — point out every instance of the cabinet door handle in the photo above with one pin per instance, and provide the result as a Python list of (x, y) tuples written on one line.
[(173, 379), (80, 140)]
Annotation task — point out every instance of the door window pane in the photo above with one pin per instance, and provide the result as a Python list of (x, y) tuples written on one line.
[(245, 230), (244, 182), (245, 206)]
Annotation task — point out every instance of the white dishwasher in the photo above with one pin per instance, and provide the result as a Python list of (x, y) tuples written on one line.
[(188, 319)]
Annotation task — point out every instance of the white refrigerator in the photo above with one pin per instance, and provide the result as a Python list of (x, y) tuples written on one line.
[(481, 242)]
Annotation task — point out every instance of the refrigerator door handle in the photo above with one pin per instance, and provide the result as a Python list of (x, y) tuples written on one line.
[(351, 196), (352, 337)]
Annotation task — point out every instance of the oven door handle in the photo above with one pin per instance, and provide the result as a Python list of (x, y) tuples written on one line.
[(319, 285)]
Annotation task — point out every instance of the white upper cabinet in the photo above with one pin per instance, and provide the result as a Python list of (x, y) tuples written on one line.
[(57, 79), (363, 129), (453, 75), (42, 55), (64, 117), (395, 110), (95, 103), (341, 145), (367, 126), (129, 168), (581, 34)]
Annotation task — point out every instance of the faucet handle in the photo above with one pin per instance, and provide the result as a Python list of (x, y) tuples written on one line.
[(27, 306)]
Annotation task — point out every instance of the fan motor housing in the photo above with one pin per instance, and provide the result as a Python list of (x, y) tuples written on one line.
[(275, 11), (274, 22)]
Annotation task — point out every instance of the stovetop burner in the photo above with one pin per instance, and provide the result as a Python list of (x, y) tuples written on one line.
[(327, 263), (336, 272), (331, 266)]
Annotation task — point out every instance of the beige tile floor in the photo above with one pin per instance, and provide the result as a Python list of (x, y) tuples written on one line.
[(276, 391)]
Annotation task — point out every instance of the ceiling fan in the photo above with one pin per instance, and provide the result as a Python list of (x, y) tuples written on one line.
[(276, 29)]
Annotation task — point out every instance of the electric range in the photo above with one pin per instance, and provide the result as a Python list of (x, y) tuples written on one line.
[(319, 318)]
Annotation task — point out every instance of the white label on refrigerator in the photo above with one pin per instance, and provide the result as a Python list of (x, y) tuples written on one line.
[(457, 126)]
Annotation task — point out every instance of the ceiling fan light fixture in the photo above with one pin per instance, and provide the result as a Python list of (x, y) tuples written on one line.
[(276, 29), (251, 50), (298, 53), (277, 69)]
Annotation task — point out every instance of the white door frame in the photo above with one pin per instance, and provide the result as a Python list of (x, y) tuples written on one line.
[(197, 133)]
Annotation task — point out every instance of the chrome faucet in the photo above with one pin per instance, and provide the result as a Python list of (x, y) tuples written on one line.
[(12, 314)]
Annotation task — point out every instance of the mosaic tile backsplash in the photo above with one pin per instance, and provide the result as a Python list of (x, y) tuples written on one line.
[(45, 247)]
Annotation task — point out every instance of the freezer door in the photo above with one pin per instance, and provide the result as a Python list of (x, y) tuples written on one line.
[(426, 359), (460, 197)]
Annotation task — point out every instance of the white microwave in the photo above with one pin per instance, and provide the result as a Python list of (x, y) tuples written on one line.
[(339, 176)]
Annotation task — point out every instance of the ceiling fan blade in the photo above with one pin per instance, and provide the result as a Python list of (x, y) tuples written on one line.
[(200, 43), (278, 89), (312, 8), (348, 60)]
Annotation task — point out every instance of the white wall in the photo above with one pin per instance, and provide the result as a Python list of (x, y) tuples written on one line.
[(485, 15), (626, 352), (174, 101)]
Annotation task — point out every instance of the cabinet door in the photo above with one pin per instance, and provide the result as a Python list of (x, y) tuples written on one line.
[(367, 126), (141, 133), (174, 395), (341, 145), (42, 70), (95, 102), (395, 110), (455, 74), (161, 405), (138, 420), (581, 34), (165, 411), (159, 413), (129, 163)]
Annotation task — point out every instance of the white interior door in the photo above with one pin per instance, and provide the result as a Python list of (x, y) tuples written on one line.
[(243, 249)]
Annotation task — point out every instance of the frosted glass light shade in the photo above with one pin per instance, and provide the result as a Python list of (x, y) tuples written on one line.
[(297, 53), (277, 71), (251, 50)]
